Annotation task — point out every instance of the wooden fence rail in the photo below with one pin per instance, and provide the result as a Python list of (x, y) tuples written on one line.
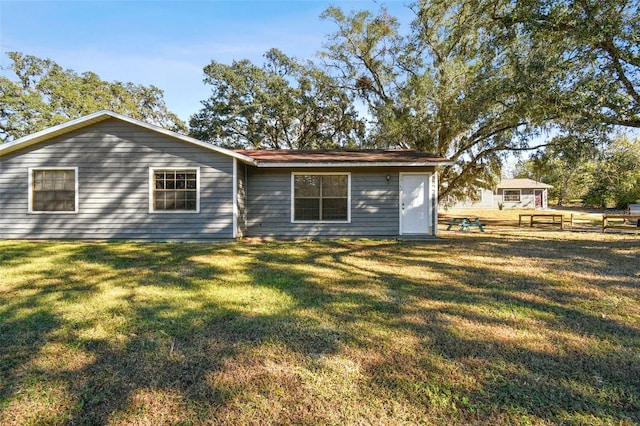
[(546, 218), (618, 221)]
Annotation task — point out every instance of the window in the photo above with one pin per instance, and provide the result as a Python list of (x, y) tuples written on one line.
[(511, 195), (175, 190), (53, 190), (321, 197)]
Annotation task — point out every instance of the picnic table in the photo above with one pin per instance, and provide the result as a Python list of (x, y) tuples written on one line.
[(465, 223)]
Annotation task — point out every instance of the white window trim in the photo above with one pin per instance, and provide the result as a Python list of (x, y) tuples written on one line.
[(314, 173), (30, 183), (152, 171), (512, 190)]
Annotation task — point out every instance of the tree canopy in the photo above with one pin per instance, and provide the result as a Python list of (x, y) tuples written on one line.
[(597, 42), (566, 163), (447, 87), (43, 94), (282, 104), (473, 80), (599, 175), (616, 175)]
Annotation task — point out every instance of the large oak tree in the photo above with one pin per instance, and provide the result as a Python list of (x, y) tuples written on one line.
[(473, 80), (599, 44), (40, 94), (448, 87), (283, 103)]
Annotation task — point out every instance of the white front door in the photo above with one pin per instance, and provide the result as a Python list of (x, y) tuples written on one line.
[(414, 203)]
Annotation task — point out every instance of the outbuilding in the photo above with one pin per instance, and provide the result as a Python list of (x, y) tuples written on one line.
[(522, 193), (509, 194)]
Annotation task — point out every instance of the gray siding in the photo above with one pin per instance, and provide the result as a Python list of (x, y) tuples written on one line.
[(242, 198), (527, 200), (113, 160), (374, 205), (489, 200), (485, 201)]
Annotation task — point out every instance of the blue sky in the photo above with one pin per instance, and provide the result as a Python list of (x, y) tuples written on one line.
[(167, 43)]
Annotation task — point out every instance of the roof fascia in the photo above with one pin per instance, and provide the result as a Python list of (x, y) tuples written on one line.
[(526, 186), (96, 117), (59, 129), (286, 164)]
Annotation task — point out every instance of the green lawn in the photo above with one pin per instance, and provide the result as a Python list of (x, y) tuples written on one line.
[(523, 327)]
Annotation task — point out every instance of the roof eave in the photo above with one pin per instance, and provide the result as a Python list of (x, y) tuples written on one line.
[(53, 131), (543, 186), (325, 164), (96, 117)]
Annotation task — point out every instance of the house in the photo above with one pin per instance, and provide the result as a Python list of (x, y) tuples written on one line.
[(107, 176), (510, 193)]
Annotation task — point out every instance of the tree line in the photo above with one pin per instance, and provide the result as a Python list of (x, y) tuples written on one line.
[(598, 175), (472, 80)]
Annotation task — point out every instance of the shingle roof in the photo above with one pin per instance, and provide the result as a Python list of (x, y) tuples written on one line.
[(522, 184), (382, 157)]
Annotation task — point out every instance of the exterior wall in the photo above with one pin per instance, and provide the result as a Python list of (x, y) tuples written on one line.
[(113, 160), (485, 201), (527, 200), (497, 200), (491, 200), (242, 199), (374, 204)]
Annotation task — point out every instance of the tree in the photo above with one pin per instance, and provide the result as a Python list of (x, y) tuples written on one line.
[(43, 94), (282, 104), (473, 80), (450, 87), (616, 177), (599, 82), (566, 163)]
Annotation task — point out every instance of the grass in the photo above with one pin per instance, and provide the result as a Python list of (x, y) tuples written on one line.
[(508, 327), (575, 218)]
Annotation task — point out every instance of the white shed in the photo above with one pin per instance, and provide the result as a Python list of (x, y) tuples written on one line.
[(522, 193), (510, 193)]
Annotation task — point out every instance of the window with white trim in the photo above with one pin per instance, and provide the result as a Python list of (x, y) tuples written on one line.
[(175, 190), (53, 190), (512, 195), (321, 197)]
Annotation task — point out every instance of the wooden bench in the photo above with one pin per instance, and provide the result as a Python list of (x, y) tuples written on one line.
[(465, 223), (543, 218), (619, 221)]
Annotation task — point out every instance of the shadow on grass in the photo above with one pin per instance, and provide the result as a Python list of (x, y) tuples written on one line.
[(522, 381), (602, 382), (360, 297), (160, 345)]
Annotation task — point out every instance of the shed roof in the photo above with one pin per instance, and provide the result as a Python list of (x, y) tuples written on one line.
[(522, 184), (347, 157)]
